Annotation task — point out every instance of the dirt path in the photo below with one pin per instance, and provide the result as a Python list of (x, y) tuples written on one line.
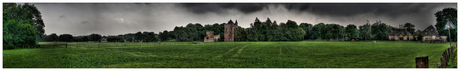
[(239, 51), (226, 52)]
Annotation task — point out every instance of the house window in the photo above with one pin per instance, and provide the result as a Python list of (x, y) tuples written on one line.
[(431, 29), (425, 33)]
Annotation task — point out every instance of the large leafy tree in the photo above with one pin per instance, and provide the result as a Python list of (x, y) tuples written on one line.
[(25, 12), (22, 24), (441, 19), (182, 36), (409, 27), (95, 37), (365, 31), (164, 35), (17, 32), (291, 24), (53, 37), (317, 31), (307, 28), (139, 36), (378, 30), (351, 31), (150, 37)]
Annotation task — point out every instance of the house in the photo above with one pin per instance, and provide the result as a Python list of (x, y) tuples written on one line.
[(230, 30), (399, 35), (103, 39), (431, 34), (210, 37)]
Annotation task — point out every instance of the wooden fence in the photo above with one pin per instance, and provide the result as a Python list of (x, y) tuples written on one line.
[(446, 57)]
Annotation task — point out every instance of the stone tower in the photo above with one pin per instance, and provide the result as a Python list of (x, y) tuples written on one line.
[(230, 30)]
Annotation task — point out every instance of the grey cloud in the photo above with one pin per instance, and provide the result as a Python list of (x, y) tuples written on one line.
[(201, 8), (62, 16), (84, 22), (350, 9)]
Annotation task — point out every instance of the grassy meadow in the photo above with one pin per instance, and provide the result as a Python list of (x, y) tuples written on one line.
[(300, 54)]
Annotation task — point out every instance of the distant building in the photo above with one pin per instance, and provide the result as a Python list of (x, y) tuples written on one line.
[(431, 34), (103, 39), (210, 37), (399, 35), (230, 30)]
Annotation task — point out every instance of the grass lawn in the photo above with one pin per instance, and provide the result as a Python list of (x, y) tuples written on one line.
[(301, 54)]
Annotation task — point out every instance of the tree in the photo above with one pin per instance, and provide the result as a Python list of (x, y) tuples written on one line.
[(25, 12), (22, 25), (150, 37), (441, 19), (95, 37), (65, 38), (53, 37), (317, 31), (307, 28), (365, 31), (291, 24), (18, 32), (419, 36), (130, 39), (85, 38), (164, 35), (183, 36), (192, 32), (378, 30), (409, 27), (139, 36), (351, 30)]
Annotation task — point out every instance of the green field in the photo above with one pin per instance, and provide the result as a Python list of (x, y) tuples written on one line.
[(302, 54)]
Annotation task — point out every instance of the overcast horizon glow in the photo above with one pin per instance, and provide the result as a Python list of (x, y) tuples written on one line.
[(121, 18)]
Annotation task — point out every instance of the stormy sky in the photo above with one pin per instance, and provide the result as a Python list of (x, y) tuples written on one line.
[(121, 18)]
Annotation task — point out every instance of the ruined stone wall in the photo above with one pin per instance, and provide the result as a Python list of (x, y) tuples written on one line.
[(230, 30), (209, 36)]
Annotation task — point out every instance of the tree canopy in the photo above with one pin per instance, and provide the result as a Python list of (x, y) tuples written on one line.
[(22, 24), (441, 20)]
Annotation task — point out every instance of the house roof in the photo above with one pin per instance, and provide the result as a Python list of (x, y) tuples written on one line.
[(396, 33), (430, 31)]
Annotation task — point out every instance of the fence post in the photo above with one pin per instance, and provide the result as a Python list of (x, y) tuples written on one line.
[(421, 62), (65, 45)]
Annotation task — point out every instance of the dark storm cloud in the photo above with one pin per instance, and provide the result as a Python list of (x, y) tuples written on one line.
[(326, 9), (350, 9), (220, 8)]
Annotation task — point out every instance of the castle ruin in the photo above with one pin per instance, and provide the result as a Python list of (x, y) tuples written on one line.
[(210, 37), (230, 30)]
